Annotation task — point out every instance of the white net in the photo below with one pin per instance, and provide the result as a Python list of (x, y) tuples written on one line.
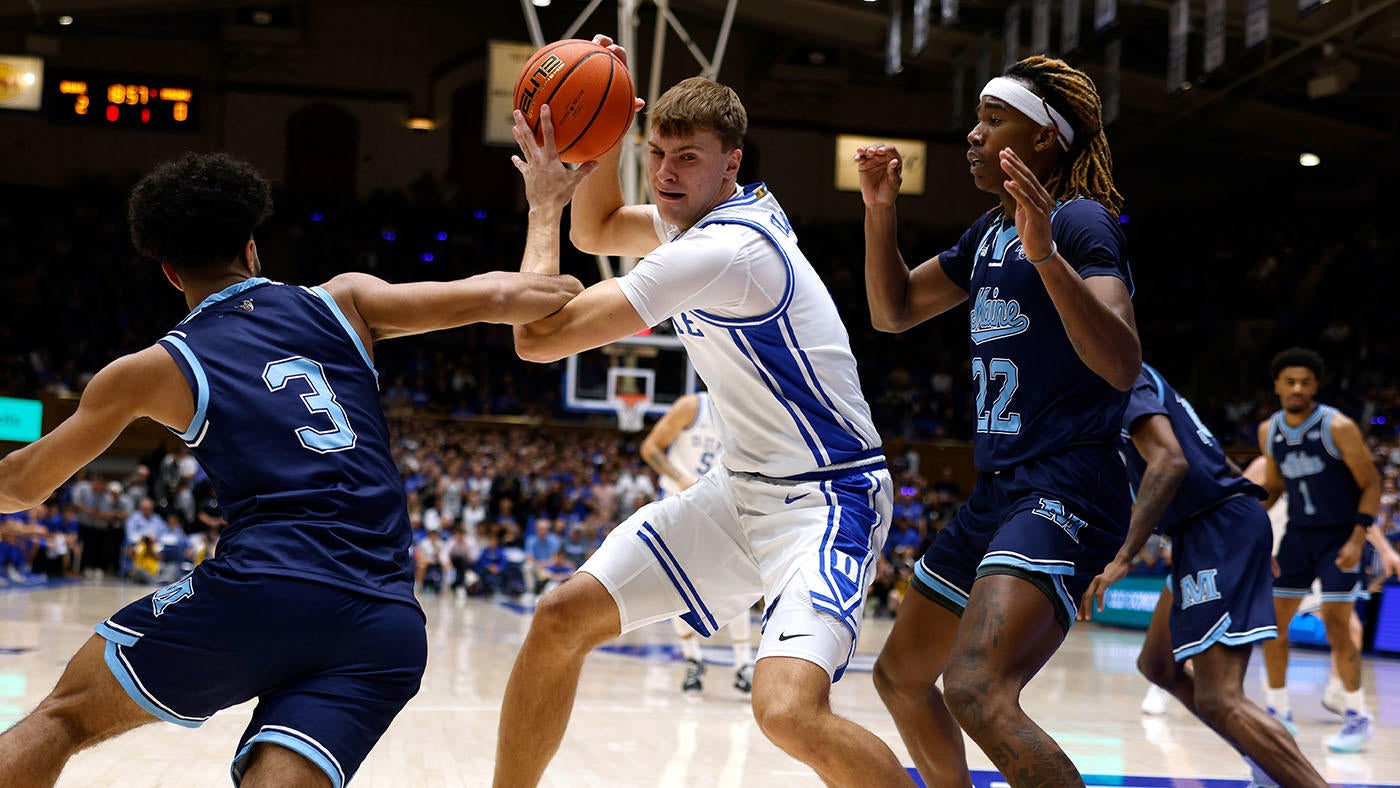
[(631, 411)]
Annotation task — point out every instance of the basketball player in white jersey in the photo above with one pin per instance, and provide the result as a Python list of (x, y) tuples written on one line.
[(799, 509), (683, 446)]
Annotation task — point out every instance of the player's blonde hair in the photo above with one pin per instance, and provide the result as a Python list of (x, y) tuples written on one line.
[(1087, 169), (701, 104)]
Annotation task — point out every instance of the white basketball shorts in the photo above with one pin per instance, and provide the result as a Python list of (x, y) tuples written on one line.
[(710, 552)]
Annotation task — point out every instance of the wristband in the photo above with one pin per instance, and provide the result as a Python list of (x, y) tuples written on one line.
[(1054, 250), (1365, 520)]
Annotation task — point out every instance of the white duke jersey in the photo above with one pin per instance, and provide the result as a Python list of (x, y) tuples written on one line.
[(696, 448), (762, 331)]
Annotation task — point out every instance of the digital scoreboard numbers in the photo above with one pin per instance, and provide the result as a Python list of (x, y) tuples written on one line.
[(123, 100)]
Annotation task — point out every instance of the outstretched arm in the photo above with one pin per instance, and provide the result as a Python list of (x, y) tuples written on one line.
[(146, 383), (665, 432), (396, 310), (1166, 467), (1267, 474), (1097, 312), (899, 298)]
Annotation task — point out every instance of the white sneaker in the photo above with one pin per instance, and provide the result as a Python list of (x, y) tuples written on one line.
[(1285, 719), (1258, 778), (1334, 699), (1155, 701), (1356, 731)]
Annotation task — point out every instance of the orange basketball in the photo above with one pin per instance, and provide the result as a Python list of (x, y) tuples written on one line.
[(589, 93)]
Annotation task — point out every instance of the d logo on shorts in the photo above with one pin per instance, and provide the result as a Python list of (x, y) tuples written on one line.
[(182, 589)]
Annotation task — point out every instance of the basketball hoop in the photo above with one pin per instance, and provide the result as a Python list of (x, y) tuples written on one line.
[(631, 411)]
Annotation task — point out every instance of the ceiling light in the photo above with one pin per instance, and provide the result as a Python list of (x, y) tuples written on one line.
[(65, 20), (541, 3), (1309, 159), (422, 124)]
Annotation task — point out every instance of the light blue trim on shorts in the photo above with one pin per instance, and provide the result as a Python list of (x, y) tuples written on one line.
[(297, 742), (940, 586), (1291, 593), (1056, 569), (127, 678)]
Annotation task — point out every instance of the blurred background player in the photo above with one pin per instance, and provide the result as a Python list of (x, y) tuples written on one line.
[(1218, 601), (274, 388), (1317, 455), (1054, 351), (683, 446)]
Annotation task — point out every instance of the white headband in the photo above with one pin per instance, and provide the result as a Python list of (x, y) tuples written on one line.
[(1029, 104)]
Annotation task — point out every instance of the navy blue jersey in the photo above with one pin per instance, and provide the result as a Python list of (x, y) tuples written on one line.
[(1322, 493), (1209, 478), (1034, 395), (289, 428)]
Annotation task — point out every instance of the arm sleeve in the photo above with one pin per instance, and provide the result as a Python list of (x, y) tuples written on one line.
[(957, 262), (1089, 238)]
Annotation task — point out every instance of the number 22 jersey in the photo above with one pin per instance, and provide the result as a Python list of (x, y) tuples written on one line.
[(289, 428), (1034, 395)]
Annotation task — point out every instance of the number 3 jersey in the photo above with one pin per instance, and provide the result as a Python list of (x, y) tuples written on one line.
[(1034, 395), (697, 448), (289, 428)]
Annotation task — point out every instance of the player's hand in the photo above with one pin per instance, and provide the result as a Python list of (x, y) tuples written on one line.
[(1349, 555), (621, 54), (1033, 206), (1273, 561), (1390, 565), (881, 173), (549, 184), (1112, 573)]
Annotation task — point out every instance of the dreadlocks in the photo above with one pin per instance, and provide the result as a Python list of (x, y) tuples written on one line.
[(1088, 170)]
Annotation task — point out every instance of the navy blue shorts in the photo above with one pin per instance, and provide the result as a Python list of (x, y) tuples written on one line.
[(1221, 578), (330, 667), (1306, 554), (1055, 521)]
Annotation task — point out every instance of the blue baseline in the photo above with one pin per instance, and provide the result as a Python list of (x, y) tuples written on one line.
[(985, 779)]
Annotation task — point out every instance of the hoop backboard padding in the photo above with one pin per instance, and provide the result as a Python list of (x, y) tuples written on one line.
[(631, 411), (655, 365)]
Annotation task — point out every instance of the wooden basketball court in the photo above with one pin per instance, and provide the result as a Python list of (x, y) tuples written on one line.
[(633, 727)]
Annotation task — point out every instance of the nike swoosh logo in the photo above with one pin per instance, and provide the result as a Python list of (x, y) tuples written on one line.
[(791, 498), (786, 636)]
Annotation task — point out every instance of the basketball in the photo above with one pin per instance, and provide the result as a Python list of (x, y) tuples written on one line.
[(589, 93)]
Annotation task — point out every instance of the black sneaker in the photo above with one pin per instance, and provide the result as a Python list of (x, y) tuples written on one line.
[(694, 670), (743, 678)]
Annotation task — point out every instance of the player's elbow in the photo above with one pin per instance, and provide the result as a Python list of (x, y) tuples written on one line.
[(585, 239), (535, 346), (886, 323)]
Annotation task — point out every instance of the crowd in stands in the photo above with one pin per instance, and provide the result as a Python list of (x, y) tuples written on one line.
[(511, 510), (1212, 305)]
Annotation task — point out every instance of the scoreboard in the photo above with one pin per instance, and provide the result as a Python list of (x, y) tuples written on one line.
[(123, 100)]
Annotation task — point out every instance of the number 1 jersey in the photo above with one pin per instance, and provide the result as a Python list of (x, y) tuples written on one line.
[(1034, 395), (289, 428)]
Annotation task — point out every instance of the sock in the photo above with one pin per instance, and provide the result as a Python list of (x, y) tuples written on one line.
[(739, 632), (1334, 684), (1278, 699), (690, 648), (1356, 701)]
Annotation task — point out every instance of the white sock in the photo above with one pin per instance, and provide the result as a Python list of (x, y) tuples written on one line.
[(690, 648), (739, 631), (1278, 699), (1334, 684), (1356, 701)]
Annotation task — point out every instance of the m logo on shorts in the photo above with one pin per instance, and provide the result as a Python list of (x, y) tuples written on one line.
[(164, 598), (1055, 512), (1199, 589)]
